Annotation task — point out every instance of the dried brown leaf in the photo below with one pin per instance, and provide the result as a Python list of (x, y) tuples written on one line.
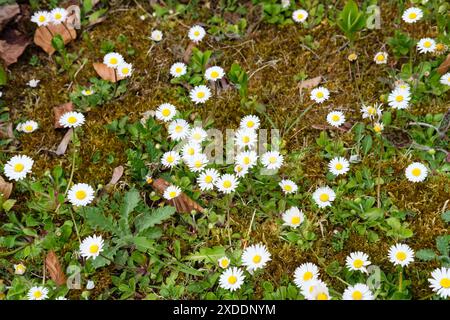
[(12, 44), (59, 111), (445, 65), (344, 128), (7, 13), (64, 143), (397, 137), (54, 268), (44, 35), (106, 73), (5, 189), (310, 83), (6, 131), (188, 52)]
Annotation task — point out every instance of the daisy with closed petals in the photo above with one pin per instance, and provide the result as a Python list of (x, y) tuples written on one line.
[(299, 15), (214, 73), (113, 59), (440, 282), (416, 172), (197, 135), (58, 15), (125, 70), (399, 98), (357, 261), (247, 159), (231, 279), (358, 291), (426, 45), (378, 127), (33, 83), (207, 179), (41, 18), (250, 122), (324, 196), (71, 119), (165, 112), (293, 217), (178, 129), (28, 126), (401, 254), (156, 35), (240, 171), (81, 194), (178, 69), (255, 257), (445, 79), (246, 138), (371, 111), (197, 162), (338, 166), (305, 272), (87, 92), (336, 118), (272, 160), (37, 293), (17, 167), (224, 262), (91, 247), (171, 192), (320, 94), (196, 33), (288, 186), (19, 269), (380, 57), (226, 183), (412, 15), (170, 159), (190, 150), (200, 94)]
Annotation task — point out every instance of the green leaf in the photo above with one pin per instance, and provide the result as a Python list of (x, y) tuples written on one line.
[(373, 214), (207, 254), (333, 268), (8, 204), (130, 202), (442, 244), (367, 144), (426, 254), (147, 220), (3, 76), (446, 216), (96, 219)]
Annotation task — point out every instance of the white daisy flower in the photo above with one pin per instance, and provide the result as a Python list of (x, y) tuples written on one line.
[(41, 18), (445, 79), (18, 166), (320, 94), (412, 15), (357, 261), (378, 127), (214, 73), (440, 282), (305, 272), (81, 194), (240, 171), (293, 217), (381, 57), (178, 129), (37, 293), (336, 118), (224, 262), (196, 33), (416, 172), (178, 69), (426, 45), (33, 83), (323, 196), (170, 159), (125, 70), (399, 98), (288, 186), (371, 111), (246, 138), (165, 112), (247, 159), (190, 150), (197, 135), (156, 35), (87, 92), (19, 269), (255, 257), (250, 122), (358, 291), (307, 287), (90, 285), (299, 15), (272, 160), (171, 192), (338, 166), (58, 15), (227, 183), (28, 126), (285, 3), (71, 119), (403, 85), (231, 279), (91, 246), (197, 162), (207, 179), (113, 59), (200, 94), (401, 254), (319, 292)]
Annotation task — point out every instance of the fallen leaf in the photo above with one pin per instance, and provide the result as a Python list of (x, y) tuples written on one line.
[(188, 52), (64, 143), (397, 137), (54, 268), (117, 174), (310, 83), (445, 124), (12, 44), (106, 73), (6, 131), (7, 13), (445, 65), (344, 128), (44, 35), (5, 189), (59, 111), (182, 203)]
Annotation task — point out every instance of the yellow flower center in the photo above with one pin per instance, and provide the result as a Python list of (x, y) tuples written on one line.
[(238, 168), (28, 128), (399, 98), (224, 263), (113, 61), (197, 136), (400, 255), (246, 160), (208, 179), (80, 194), (172, 194), (380, 57), (445, 283), (377, 128), (88, 92), (178, 69), (191, 151), (93, 248), (214, 74), (166, 112), (300, 16), (339, 166), (256, 259), (324, 197), (19, 167), (319, 94), (246, 139), (272, 160), (413, 15), (440, 47), (198, 164), (295, 220), (196, 33), (178, 129), (371, 110), (288, 187), (250, 124), (232, 279), (352, 56), (307, 276), (37, 294), (227, 184), (42, 19), (170, 159), (200, 94), (125, 70), (416, 172), (335, 117), (58, 16), (72, 120), (358, 263), (322, 296), (427, 44), (357, 295)]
